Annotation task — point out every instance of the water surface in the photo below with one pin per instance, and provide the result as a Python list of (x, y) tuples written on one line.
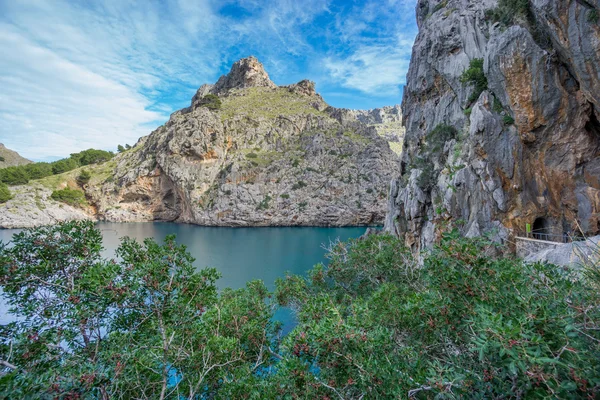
[(239, 254)]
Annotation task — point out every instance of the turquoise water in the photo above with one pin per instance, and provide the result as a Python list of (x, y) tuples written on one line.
[(239, 254)]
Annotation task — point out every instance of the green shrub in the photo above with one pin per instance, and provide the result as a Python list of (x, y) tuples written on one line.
[(497, 106), (468, 111), (5, 194), (427, 180), (120, 148), (437, 138), (509, 11), (38, 170), (64, 165), (465, 324), (84, 177), (2, 159), (14, 175), (475, 76), (251, 155), (91, 156), (508, 120), (264, 204), (72, 197), (285, 196), (210, 101), (592, 16), (299, 185)]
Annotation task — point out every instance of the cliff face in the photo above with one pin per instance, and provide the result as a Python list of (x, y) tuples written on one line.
[(523, 151), (266, 155)]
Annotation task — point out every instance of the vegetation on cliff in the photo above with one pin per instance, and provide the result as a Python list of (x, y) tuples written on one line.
[(5, 194), (22, 174), (372, 324)]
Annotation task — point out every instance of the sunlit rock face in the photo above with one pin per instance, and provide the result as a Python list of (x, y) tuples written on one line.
[(526, 150), (267, 155)]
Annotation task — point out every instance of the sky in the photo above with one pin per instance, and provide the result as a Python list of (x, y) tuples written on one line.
[(79, 74)]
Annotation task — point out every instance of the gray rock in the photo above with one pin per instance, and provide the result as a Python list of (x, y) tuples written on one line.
[(527, 149)]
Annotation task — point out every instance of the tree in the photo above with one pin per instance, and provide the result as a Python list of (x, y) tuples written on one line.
[(38, 170), (5, 194), (210, 101), (91, 156), (120, 148), (127, 146), (148, 325), (465, 324), (72, 197), (14, 176), (64, 165), (84, 177)]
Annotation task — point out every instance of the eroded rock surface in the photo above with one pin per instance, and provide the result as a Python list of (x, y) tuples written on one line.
[(526, 150), (265, 156), (269, 156)]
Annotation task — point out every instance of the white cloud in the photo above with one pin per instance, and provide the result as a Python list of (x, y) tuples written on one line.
[(78, 74), (378, 61), (377, 69)]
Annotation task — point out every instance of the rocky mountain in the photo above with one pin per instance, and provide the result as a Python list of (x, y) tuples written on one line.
[(247, 153), (9, 158), (501, 111), (387, 121)]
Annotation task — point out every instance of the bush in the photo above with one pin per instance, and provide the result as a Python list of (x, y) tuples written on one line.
[(437, 138), (210, 101), (120, 148), (299, 185), (72, 197), (464, 325), (2, 159), (592, 16), (14, 175), (375, 323), (5, 194), (84, 177), (38, 170), (475, 76), (508, 120), (64, 165), (509, 11), (251, 155), (91, 156), (90, 328)]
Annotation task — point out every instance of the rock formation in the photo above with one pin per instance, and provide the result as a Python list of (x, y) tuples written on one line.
[(525, 150), (249, 153), (387, 121), (9, 158)]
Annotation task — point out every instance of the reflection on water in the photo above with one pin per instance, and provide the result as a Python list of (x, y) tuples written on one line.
[(239, 254)]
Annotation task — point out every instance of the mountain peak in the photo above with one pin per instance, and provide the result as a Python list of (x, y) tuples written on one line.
[(245, 73)]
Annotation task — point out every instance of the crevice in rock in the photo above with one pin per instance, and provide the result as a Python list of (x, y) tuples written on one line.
[(593, 125)]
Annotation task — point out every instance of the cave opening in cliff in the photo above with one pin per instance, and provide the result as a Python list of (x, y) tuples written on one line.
[(541, 229)]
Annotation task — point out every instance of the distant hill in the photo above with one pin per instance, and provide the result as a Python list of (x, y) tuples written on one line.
[(9, 158)]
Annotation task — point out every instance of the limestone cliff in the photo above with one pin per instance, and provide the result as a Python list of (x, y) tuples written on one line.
[(513, 141), (246, 153)]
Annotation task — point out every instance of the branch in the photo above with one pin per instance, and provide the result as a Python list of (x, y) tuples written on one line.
[(8, 365)]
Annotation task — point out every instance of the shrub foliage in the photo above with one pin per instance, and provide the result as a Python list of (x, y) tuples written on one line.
[(22, 174), (5, 194), (475, 76), (72, 197), (372, 324)]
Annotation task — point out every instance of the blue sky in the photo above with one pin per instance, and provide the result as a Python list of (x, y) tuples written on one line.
[(80, 74)]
